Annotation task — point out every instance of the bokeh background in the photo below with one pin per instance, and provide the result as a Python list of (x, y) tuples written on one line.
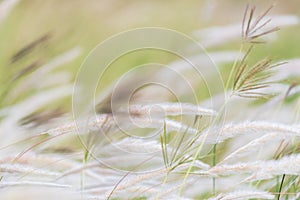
[(34, 35), (85, 24), (44, 43)]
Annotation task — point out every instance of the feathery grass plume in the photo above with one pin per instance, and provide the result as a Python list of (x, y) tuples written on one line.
[(186, 164), (55, 161), (252, 29), (288, 165), (153, 176), (170, 109), (5, 184), (172, 125), (25, 169), (35, 192), (260, 170), (172, 189), (135, 145), (248, 80), (211, 37), (234, 169), (256, 144), (95, 169), (232, 130), (107, 120), (244, 194)]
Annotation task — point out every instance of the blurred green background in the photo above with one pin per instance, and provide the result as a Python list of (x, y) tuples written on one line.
[(82, 23)]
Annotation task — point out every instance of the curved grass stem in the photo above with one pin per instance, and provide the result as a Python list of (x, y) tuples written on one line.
[(234, 66)]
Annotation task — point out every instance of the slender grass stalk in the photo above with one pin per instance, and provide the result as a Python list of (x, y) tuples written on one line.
[(165, 154), (233, 69), (280, 187), (85, 160), (199, 149), (214, 164)]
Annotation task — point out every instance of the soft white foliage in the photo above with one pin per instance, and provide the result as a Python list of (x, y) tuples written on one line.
[(212, 36), (261, 170), (182, 150), (231, 130), (241, 195), (135, 145), (36, 192), (169, 109), (17, 168)]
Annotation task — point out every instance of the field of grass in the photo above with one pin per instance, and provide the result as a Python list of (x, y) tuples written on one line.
[(149, 99)]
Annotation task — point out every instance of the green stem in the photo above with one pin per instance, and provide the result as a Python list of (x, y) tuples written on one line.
[(214, 121), (233, 69), (280, 187), (199, 149), (214, 164)]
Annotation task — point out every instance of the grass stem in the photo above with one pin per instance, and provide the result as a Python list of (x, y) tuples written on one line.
[(280, 187)]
